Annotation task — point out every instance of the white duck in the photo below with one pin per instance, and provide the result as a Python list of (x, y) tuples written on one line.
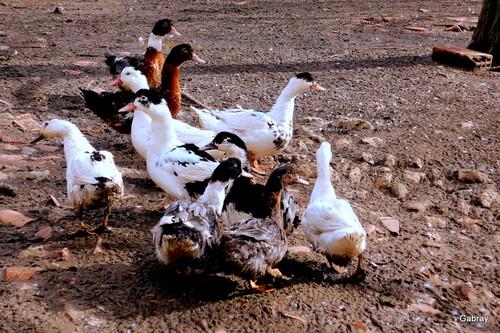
[(93, 180), (132, 79), (329, 223), (264, 133), (181, 170), (190, 230)]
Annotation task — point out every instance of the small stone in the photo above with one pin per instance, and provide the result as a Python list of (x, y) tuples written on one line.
[(390, 161), (368, 158), (383, 181), (435, 221), (424, 308), (44, 233), (59, 10), (489, 198), (28, 150), (472, 176), (21, 273), (392, 225), (355, 123), (65, 253), (399, 190), (468, 124), (466, 290), (416, 206), (464, 207), (415, 177), (342, 143), (417, 163), (3, 176), (372, 141), (361, 194), (355, 175), (39, 175)]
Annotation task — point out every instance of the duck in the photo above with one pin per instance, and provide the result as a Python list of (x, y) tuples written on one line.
[(93, 180), (181, 170), (149, 63), (329, 223), (191, 229), (170, 86), (264, 133), (245, 199), (106, 104), (252, 247)]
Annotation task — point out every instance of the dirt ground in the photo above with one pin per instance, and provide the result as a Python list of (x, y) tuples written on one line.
[(415, 145)]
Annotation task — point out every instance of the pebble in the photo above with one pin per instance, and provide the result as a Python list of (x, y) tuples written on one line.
[(472, 176), (417, 163), (463, 207), (59, 10), (489, 198), (355, 175), (28, 150), (21, 273), (399, 190), (372, 141), (435, 221), (342, 143), (416, 206), (355, 123), (390, 161), (383, 181), (415, 177), (368, 158)]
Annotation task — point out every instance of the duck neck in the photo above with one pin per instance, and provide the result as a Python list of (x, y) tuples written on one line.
[(75, 143), (170, 77), (140, 132), (163, 136), (272, 199), (214, 196), (282, 110), (323, 186), (155, 42)]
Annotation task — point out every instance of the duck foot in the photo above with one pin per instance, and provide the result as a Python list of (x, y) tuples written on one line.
[(81, 232), (357, 277), (262, 288), (101, 229)]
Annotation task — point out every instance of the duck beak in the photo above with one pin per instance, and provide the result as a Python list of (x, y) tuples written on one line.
[(316, 86), (130, 107), (197, 59), (117, 82), (209, 146), (301, 181), (174, 32), (246, 174), (41, 137)]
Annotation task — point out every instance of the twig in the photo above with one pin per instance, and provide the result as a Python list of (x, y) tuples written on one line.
[(5, 102), (196, 101), (293, 317)]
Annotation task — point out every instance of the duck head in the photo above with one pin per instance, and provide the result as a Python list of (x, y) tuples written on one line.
[(324, 152), (149, 101), (164, 27), (284, 176), (304, 81), (182, 53), (53, 128), (131, 79)]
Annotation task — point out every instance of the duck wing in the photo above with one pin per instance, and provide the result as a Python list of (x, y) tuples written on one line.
[(233, 120), (105, 105), (116, 65)]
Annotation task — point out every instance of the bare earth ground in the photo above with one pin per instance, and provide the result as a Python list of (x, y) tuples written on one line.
[(385, 97)]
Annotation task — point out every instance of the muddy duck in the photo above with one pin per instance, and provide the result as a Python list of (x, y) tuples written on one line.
[(181, 170), (264, 133), (93, 180), (329, 223), (105, 105), (253, 247), (149, 63), (191, 229), (245, 199)]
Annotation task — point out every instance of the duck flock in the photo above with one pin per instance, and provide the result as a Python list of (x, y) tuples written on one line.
[(220, 212)]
